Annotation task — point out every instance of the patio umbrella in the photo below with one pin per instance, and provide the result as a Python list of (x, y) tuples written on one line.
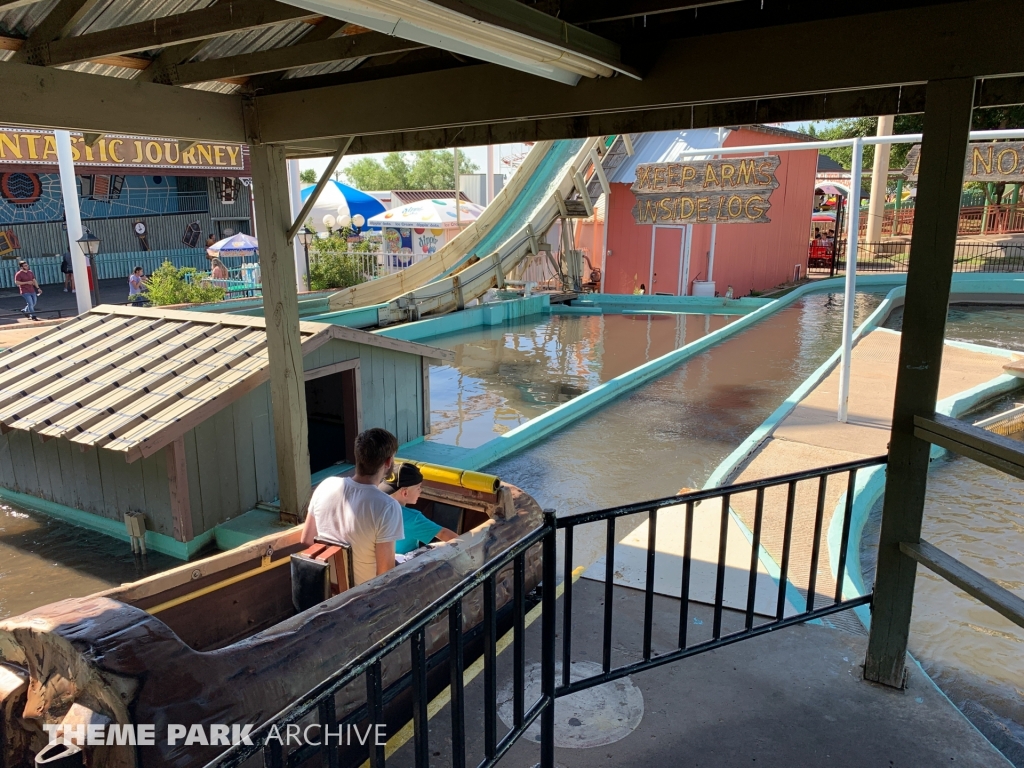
[(824, 216), (236, 245), (337, 199), (428, 214)]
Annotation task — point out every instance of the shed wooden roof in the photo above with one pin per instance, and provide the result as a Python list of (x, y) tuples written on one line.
[(132, 380)]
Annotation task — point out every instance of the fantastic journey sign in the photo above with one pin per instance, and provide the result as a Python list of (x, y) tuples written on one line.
[(725, 191), (28, 150), (986, 161)]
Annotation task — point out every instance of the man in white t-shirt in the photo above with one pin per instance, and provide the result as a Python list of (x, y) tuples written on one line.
[(353, 511)]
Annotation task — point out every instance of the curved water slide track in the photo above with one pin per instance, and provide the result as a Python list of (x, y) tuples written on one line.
[(480, 256)]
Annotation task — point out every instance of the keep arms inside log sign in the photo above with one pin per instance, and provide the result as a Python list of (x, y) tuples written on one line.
[(724, 191)]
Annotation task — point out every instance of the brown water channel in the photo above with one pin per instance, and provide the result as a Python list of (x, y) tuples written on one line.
[(669, 433), (506, 375), (976, 514)]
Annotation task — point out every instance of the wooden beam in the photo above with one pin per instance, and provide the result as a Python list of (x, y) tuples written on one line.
[(57, 98), (597, 11), (224, 18), (127, 62), (56, 24), (321, 184), (284, 347), (988, 448), (332, 368), (521, 19), (289, 57), (10, 5), (324, 30), (867, 103), (947, 122), (177, 479), (999, 599), (326, 111), (437, 354)]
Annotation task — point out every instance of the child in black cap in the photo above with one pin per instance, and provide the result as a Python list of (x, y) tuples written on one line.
[(404, 486)]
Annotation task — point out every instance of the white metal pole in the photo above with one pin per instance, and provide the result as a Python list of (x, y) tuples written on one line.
[(458, 197), (688, 240), (711, 253), (714, 228), (604, 240), (295, 197), (73, 217), (490, 174), (853, 223)]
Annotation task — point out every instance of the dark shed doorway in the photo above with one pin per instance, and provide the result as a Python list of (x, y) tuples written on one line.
[(334, 414)]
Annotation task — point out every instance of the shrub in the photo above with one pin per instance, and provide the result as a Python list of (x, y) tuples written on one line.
[(171, 285), (336, 263)]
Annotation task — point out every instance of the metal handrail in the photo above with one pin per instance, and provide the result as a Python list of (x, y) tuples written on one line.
[(320, 699)]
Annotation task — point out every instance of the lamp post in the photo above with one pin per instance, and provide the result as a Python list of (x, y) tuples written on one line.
[(90, 245), (306, 236)]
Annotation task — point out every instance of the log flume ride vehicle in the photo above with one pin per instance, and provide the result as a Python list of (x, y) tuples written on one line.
[(220, 640)]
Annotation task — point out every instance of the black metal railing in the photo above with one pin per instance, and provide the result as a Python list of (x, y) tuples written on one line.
[(894, 256), (783, 521), (772, 529), (320, 701)]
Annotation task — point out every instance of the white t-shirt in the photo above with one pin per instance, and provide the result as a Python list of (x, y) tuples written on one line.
[(358, 515)]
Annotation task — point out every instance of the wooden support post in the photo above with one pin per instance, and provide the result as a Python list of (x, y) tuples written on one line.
[(946, 126), (281, 309), (177, 479)]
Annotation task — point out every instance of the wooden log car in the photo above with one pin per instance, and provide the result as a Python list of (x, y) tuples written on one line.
[(219, 641)]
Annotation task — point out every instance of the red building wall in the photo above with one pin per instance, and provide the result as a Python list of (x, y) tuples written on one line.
[(747, 256)]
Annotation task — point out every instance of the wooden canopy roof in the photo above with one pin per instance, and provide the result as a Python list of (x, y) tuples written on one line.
[(287, 73), (132, 380)]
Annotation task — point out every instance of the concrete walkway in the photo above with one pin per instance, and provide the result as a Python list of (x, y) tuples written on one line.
[(794, 698), (812, 437)]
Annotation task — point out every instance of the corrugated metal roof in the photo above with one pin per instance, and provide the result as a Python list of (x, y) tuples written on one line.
[(131, 380), (109, 14), (406, 196), (664, 147)]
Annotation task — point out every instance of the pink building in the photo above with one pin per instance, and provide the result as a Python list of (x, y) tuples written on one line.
[(668, 259)]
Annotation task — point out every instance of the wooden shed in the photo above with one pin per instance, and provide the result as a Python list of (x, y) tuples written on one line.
[(169, 413)]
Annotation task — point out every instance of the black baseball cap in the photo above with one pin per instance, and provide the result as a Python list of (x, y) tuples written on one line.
[(407, 476)]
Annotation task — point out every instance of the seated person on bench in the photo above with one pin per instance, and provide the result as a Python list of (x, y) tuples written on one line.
[(351, 510), (404, 487)]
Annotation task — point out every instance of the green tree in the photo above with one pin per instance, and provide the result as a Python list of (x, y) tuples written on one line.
[(170, 285), (308, 176), (432, 169)]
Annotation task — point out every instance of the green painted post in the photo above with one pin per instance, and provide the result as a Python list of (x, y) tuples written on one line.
[(948, 105), (899, 193), (1015, 195)]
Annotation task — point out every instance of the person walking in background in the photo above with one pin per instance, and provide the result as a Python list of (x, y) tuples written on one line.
[(25, 279), (218, 271), (136, 287), (68, 271), (210, 240)]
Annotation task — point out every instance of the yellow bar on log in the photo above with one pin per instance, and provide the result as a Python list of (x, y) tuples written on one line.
[(478, 481), (473, 481)]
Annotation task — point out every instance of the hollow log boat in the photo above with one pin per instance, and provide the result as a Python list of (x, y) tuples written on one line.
[(219, 641)]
